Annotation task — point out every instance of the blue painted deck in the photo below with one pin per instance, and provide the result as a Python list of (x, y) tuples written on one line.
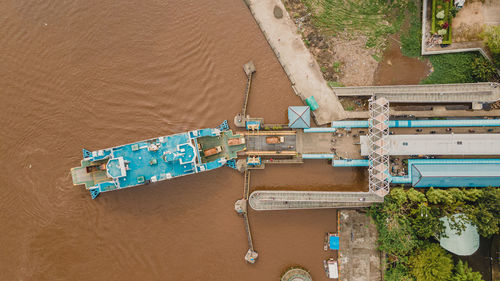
[(175, 157)]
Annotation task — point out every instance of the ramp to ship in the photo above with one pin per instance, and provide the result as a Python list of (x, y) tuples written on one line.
[(266, 200)]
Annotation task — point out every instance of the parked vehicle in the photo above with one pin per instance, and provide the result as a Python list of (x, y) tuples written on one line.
[(273, 140)]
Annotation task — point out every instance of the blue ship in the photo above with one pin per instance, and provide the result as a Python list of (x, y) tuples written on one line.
[(158, 159)]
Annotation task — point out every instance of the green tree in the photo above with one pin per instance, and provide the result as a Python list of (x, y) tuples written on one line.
[(397, 237), (431, 263), (426, 222), (486, 213), (398, 273), (457, 194), (416, 196), (464, 273), (399, 196), (472, 194), (439, 196), (483, 69)]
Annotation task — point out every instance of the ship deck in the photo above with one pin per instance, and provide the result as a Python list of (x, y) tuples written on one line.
[(228, 151), (143, 164)]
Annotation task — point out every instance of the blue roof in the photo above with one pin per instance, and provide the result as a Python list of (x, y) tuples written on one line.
[(333, 242), (299, 117), (455, 174)]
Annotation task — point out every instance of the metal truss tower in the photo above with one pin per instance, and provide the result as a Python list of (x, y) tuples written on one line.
[(378, 138)]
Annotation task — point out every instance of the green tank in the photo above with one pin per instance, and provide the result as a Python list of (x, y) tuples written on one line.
[(311, 102)]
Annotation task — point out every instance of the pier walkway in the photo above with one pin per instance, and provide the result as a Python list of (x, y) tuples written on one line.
[(438, 93), (297, 62), (286, 200), (249, 69)]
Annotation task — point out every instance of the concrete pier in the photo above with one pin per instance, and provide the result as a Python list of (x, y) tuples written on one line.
[(266, 200), (297, 62)]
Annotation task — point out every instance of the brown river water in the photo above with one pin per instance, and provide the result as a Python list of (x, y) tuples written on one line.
[(95, 74)]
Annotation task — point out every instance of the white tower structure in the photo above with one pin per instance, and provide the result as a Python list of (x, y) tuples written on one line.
[(379, 158)]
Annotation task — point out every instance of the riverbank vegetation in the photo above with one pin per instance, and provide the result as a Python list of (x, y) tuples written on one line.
[(373, 18), (409, 227), (347, 37), (467, 67), (491, 35), (411, 38)]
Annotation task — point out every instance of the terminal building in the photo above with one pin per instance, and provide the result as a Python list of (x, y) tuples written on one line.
[(439, 144), (451, 173)]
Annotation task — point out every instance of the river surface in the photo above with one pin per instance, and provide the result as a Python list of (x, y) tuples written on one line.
[(95, 74)]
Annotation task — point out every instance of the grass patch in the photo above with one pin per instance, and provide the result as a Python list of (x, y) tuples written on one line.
[(377, 58), (411, 38), (333, 84), (336, 66), (453, 68), (373, 18)]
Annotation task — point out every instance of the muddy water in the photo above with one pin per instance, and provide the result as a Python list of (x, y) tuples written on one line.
[(96, 74), (396, 69)]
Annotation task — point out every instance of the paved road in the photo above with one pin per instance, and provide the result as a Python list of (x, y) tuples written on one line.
[(298, 63)]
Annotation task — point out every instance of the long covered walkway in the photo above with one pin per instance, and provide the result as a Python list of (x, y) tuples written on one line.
[(286, 200)]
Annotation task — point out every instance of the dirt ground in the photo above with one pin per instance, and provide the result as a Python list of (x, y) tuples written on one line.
[(470, 20), (359, 258), (468, 23), (343, 58), (393, 69)]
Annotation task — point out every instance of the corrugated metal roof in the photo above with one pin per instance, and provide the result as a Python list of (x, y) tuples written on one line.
[(440, 144), (455, 175)]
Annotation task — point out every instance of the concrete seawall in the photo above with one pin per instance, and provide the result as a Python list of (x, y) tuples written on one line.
[(297, 62)]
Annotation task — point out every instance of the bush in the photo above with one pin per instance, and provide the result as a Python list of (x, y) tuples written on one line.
[(483, 70), (492, 36), (485, 213), (464, 273), (453, 68), (398, 273), (335, 84), (431, 263)]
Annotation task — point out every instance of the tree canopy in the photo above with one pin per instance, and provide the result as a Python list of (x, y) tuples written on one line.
[(431, 263), (408, 223)]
